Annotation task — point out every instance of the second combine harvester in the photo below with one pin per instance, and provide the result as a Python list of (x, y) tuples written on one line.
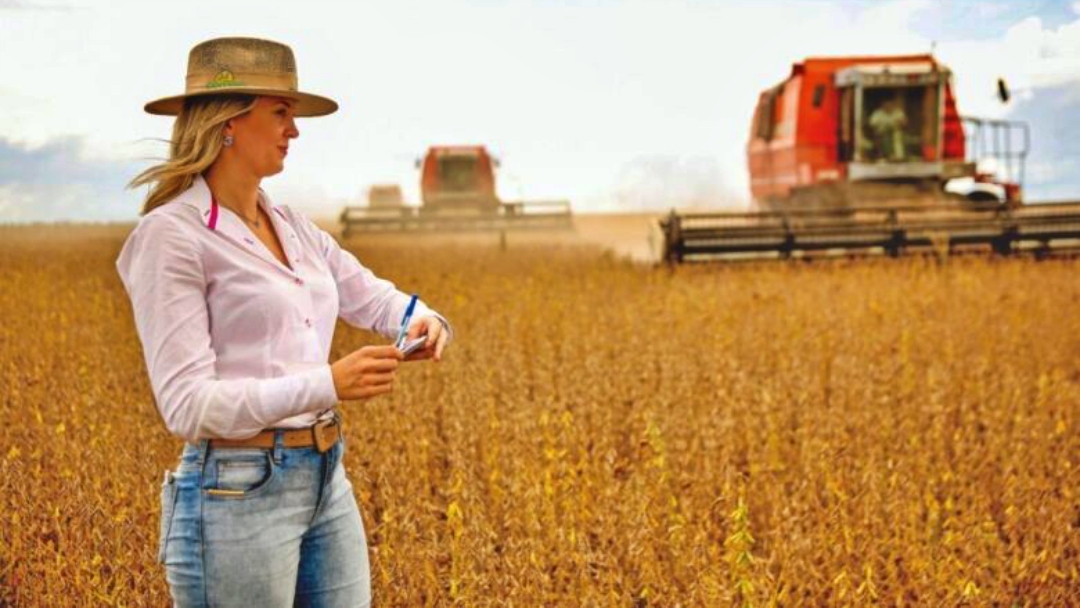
[(869, 154), (457, 188)]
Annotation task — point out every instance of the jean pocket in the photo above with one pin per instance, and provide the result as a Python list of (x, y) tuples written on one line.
[(168, 507), (242, 474)]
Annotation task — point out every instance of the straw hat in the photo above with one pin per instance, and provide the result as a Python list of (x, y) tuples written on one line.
[(251, 66)]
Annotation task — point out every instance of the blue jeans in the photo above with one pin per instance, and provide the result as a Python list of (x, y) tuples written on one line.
[(262, 527)]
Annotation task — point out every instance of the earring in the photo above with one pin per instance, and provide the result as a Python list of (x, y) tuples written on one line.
[(228, 141)]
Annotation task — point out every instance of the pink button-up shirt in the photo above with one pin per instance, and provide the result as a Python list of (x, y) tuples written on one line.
[(234, 340)]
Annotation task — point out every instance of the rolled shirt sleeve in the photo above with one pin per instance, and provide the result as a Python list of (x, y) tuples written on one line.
[(162, 271), (367, 301)]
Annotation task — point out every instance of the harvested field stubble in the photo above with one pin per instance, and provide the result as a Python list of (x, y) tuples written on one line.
[(895, 432)]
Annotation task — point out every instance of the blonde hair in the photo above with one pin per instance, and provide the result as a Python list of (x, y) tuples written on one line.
[(196, 141)]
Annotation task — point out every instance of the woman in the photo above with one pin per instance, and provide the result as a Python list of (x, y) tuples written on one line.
[(235, 301)]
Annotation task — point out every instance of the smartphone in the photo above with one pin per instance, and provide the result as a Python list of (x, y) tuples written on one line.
[(411, 347)]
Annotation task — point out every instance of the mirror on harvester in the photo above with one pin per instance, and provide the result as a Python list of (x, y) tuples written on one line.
[(1003, 90)]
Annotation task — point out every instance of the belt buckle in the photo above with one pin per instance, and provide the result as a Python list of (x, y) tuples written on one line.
[(325, 434)]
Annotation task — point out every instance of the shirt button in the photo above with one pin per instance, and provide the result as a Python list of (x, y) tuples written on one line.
[(299, 281), (307, 322)]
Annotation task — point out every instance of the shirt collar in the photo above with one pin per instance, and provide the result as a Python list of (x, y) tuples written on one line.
[(199, 196), (229, 225)]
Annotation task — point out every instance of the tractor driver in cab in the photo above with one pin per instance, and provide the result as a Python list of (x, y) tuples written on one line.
[(887, 123)]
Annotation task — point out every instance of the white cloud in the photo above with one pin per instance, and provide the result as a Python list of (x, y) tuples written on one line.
[(1029, 56), (59, 180)]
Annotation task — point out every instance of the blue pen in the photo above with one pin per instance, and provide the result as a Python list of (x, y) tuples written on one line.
[(405, 322)]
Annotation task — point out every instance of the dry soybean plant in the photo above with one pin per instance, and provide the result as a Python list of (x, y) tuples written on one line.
[(604, 433)]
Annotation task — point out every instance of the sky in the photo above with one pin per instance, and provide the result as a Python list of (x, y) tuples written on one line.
[(615, 106)]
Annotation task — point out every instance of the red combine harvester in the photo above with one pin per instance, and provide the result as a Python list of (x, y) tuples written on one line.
[(870, 131), (457, 188), (869, 154)]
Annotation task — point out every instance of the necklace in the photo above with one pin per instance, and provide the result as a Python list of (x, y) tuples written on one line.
[(257, 223)]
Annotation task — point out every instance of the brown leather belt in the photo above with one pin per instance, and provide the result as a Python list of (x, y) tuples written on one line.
[(323, 435)]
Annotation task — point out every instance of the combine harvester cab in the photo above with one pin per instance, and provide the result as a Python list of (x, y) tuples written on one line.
[(457, 187), (870, 155)]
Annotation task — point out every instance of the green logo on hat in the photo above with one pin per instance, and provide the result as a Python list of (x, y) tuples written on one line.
[(224, 78)]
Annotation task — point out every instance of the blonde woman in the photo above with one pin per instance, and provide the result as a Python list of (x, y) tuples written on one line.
[(235, 300)]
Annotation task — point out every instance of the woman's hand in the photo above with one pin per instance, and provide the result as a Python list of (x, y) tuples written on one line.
[(436, 334), (366, 372)]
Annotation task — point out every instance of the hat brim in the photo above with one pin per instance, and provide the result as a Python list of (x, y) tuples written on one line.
[(307, 104)]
